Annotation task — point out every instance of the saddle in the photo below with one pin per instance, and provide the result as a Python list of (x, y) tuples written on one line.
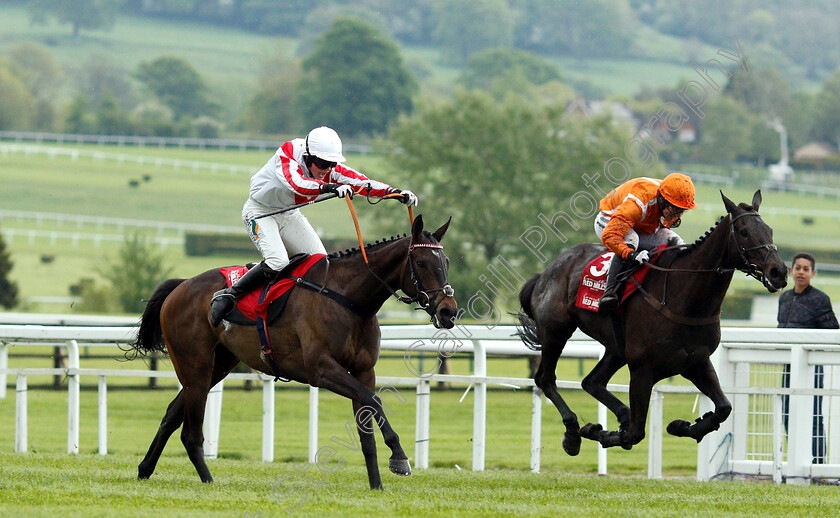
[(593, 282), (269, 301)]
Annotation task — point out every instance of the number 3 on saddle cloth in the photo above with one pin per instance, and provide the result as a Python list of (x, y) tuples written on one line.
[(262, 306), (594, 281)]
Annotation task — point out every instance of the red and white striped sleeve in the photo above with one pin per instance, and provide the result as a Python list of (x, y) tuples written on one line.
[(349, 176)]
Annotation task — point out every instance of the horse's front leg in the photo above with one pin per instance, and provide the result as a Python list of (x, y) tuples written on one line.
[(546, 380), (705, 378), (330, 375)]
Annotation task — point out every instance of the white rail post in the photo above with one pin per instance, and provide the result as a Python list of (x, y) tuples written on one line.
[(778, 438), (655, 440), (268, 421), (800, 418), (421, 427), (479, 406), (20, 414), (536, 428), (72, 397), (4, 364), (714, 448), (313, 424), (602, 420), (212, 420), (103, 415)]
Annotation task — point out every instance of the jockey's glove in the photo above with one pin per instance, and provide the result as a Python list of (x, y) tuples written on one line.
[(640, 256), (409, 198), (338, 189)]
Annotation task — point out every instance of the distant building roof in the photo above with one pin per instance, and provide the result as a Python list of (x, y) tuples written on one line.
[(814, 151)]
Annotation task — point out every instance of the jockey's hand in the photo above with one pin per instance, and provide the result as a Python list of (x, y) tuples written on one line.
[(640, 256), (409, 198), (338, 189)]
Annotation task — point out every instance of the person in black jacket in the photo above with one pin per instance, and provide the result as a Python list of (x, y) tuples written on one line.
[(806, 307)]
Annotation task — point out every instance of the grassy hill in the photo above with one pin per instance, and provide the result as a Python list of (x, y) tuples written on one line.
[(229, 59)]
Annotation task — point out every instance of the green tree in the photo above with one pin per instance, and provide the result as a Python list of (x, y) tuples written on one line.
[(178, 85), (82, 14), (596, 28), (8, 289), (15, 101), (135, 272), (725, 131), (273, 108), (494, 167), (500, 65), (826, 113), (464, 27), (355, 80)]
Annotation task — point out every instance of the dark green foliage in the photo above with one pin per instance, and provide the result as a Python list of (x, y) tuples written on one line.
[(8, 289), (135, 272), (500, 64), (355, 80), (178, 85), (82, 14)]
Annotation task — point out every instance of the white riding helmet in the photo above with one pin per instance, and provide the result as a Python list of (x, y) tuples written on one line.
[(325, 144)]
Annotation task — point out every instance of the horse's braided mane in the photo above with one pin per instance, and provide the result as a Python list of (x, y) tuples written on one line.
[(702, 238), (353, 251)]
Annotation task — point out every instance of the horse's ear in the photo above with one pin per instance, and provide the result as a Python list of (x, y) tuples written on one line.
[(729, 204), (756, 200), (417, 228), (438, 234)]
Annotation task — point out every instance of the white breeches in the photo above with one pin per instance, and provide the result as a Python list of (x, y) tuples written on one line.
[(638, 241), (278, 237)]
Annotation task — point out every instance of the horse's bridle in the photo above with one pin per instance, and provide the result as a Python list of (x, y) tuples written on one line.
[(427, 299), (750, 268)]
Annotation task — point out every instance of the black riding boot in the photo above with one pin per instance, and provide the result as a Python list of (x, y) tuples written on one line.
[(225, 300), (613, 291)]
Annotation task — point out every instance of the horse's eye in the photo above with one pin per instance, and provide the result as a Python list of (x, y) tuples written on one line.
[(745, 233), (421, 263)]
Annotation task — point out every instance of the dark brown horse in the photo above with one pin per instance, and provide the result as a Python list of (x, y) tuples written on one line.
[(316, 340), (671, 326)]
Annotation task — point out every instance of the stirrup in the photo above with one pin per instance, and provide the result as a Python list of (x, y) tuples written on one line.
[(612, 301)]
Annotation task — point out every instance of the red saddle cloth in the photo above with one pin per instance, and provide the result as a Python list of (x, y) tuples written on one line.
[(593, 282), (249, 304)]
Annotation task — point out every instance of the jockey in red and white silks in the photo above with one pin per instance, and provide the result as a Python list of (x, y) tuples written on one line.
[(286, 180), (300, 170)]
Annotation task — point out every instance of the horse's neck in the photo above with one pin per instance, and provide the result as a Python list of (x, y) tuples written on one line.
[(706, 289), (370, 285)]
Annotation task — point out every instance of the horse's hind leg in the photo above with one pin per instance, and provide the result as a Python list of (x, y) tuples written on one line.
[(224, 362), (705, 378), (546, 379), (595, 383)]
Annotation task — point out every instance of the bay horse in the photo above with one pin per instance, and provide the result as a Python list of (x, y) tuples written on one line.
[(670, 326), (316, 340)]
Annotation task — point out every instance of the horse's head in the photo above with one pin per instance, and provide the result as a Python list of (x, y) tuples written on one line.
[(756, 254), (426, 278)]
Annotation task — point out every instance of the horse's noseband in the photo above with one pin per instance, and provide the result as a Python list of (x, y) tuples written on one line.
[(427, 299)]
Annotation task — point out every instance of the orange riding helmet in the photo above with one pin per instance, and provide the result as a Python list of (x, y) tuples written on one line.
[(678, 190)]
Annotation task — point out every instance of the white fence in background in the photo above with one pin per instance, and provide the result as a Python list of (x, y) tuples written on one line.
[(724, 451), (57, 219), (139, 141)]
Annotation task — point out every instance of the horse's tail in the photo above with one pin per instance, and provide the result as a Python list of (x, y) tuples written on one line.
[(527, 328), (150, 335)]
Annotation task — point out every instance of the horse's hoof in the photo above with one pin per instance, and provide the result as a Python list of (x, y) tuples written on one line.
[(591, 431), (571, 443), (143, 474), (679, 428), (400, 467)]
